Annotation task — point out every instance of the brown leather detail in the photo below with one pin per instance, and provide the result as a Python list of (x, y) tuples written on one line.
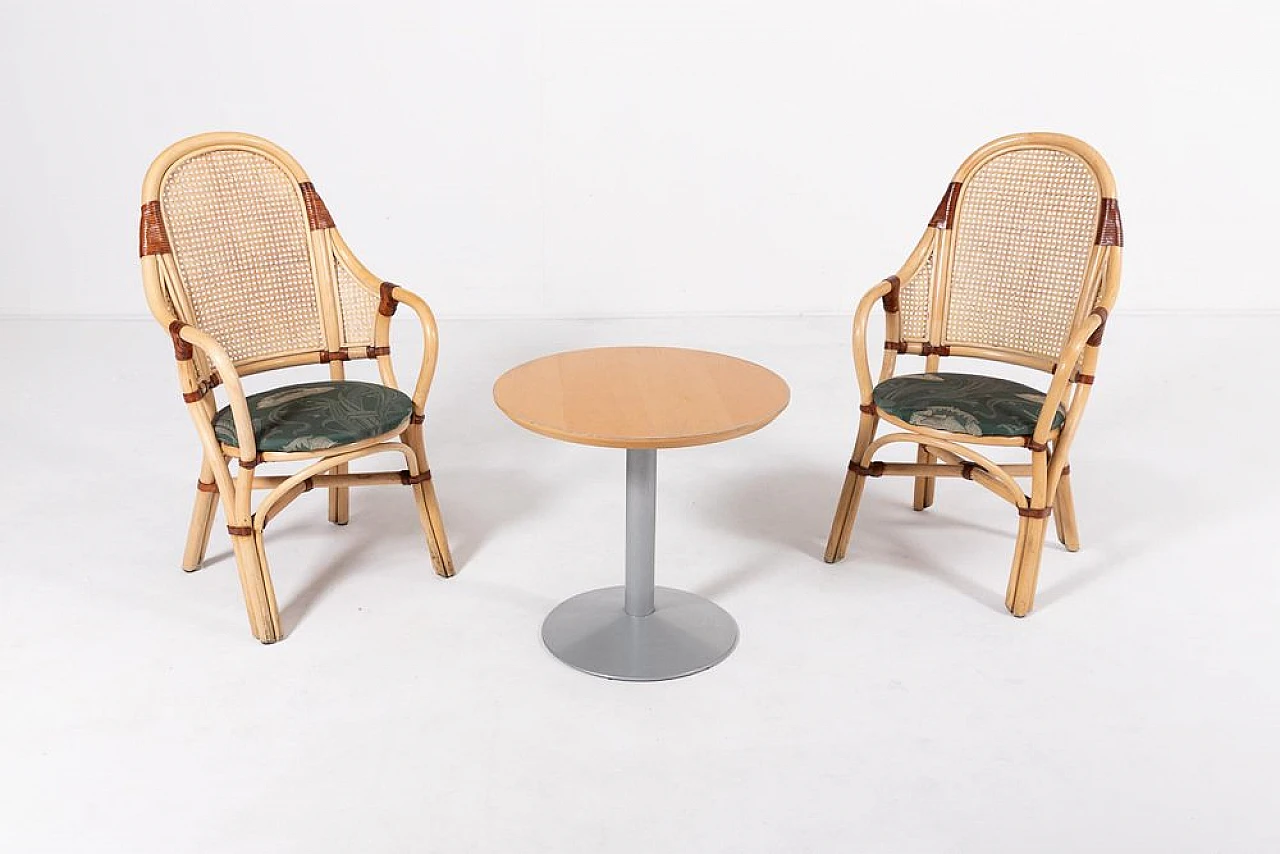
[(387, 305), (415, 418), (205, 386), (317, 214), (1110, 231), (1034, 446), (1035, 512), (1066, 470), (251, 463), (240, 530), (1096, 338), (868, 408), (947, 207), (899, 346), (966, 469), (1085, 379), (874, 470), (308, 485), (928, 349), (152, 239), (410, 479), (206, 487), (375, 352), (182, 350), (339, 355), (890, 299)]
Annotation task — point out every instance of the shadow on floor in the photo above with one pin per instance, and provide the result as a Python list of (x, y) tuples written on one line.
[(793, 506)]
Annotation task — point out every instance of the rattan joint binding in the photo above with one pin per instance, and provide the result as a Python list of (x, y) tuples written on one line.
[(927, 349), (1035, 512), (944, 215), (182, 350), (1110, 231), (317, 214), (890, 299), (412, 479), (1095, 339), (897, 346), (867, 408), (339, 355), (415, 418), (152, 239), (206, 487), (240, 530), (1034, 446), (374, 352), (876, 469), (1085, 379)]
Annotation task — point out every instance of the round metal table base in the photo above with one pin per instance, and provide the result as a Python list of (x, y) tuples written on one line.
[(684, 634)]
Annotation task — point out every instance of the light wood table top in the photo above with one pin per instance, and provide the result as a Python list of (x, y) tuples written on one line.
[(641, 397)]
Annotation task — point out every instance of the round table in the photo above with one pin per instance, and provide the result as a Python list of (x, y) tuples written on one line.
[(640, 399)]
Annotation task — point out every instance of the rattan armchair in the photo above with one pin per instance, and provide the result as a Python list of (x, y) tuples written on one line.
[(1020, 264), (244, 269)]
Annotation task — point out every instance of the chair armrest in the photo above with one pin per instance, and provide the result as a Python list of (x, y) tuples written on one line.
[(430, 344), (860, 317), (226, 369), (1082, 337)]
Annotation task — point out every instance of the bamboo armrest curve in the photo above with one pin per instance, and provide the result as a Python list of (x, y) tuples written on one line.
[(1062, 374), (860, 318), (231, 382), (430, 343)]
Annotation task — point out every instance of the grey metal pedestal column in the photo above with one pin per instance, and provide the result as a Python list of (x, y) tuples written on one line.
[(640, 633)]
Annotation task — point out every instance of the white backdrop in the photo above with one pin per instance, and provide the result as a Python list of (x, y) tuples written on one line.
[(599, 158)]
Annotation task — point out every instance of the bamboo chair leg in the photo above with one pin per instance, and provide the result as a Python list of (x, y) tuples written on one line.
[(1064, 515), (1021, 593), (850, 495), (924, 485), (201, 521), (424, 495), (340, 500), (259, 594)]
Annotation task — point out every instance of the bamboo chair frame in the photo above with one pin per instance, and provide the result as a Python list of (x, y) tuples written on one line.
[(349, 303), (1072, 368)]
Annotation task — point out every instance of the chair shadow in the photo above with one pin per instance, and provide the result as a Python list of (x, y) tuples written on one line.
[(474, 504), (792, 507)]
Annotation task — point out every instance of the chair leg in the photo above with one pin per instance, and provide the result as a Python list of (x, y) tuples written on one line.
[(340, 500), (201, 520), (924, 485), (424, 495), (255, 581), (1064, 514), (850, 495), (1021, 593)]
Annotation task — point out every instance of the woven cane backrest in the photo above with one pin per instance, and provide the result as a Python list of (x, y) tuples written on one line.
[(237, 227), (1025, 224), (1016, 252), (357, 308), (915, 302)]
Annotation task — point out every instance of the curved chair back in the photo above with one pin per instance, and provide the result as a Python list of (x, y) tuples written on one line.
[(1017, 253), (236, 241)]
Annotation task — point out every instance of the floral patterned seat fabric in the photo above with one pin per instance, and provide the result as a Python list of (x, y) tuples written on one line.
[(963, 403), (315, 416)]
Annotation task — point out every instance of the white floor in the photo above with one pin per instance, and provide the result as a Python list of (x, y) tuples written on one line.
[(885, 704)]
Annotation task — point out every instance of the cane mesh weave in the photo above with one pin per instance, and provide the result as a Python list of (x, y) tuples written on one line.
[(357, 307), (238, 229), (1023, 234), (913, 302)]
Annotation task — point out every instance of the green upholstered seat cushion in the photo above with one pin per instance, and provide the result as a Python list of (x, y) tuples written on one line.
[(314, 416), (963, 403)]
